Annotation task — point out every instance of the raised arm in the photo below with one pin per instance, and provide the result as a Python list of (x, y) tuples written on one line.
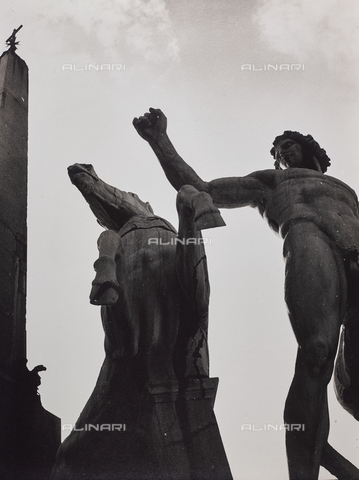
[(152, 127), (231, 192)]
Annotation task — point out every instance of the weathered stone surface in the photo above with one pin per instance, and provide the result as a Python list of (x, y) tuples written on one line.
[(29, 435), (158, 423), (318, 218), (13, 210)]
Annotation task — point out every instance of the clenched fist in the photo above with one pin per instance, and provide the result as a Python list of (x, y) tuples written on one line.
[(151, 125)]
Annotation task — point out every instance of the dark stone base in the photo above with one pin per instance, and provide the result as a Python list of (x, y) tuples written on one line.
[(29, 434), (173, 436)]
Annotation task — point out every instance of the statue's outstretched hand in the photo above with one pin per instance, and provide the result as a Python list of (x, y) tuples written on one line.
[(151, 125)]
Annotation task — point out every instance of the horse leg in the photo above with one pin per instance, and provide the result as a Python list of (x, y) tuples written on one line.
[(206, 215), (195, 211), (105, 288)]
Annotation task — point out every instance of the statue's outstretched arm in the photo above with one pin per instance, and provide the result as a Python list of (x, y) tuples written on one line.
[(152, 126), (229, 192)]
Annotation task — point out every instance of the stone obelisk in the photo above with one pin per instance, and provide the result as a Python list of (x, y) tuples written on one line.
[(29, 435), (13, 207)]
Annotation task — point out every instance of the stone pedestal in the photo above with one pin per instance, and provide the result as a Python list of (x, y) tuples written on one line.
[(203, 441), (165, 431), (167, 439), (185, 437)]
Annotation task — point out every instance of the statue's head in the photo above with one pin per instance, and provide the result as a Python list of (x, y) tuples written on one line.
[(292, 149), (112, 207)]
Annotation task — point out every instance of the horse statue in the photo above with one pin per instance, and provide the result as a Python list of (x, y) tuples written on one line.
[(150, 415)]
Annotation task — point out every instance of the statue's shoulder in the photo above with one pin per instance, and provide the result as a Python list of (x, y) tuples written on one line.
[(271, 178), (336, 182), (317, 180)]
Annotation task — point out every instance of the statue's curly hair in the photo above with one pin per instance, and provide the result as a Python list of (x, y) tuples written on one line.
[(310, 149)]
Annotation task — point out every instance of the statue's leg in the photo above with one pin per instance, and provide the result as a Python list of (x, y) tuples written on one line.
[(316, 294), (347, 365), (105, 286), (337, 465), (346, 375)]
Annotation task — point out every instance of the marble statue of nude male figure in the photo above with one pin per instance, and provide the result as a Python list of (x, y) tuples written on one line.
[(317, 216)]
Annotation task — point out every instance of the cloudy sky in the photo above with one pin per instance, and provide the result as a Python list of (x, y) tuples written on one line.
[(204, 63)]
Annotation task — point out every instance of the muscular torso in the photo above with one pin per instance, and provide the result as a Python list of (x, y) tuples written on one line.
[(289, 197), (301, 195)]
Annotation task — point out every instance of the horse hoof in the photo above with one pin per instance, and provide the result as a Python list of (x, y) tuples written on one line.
[(105, 294), (209, 220)]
